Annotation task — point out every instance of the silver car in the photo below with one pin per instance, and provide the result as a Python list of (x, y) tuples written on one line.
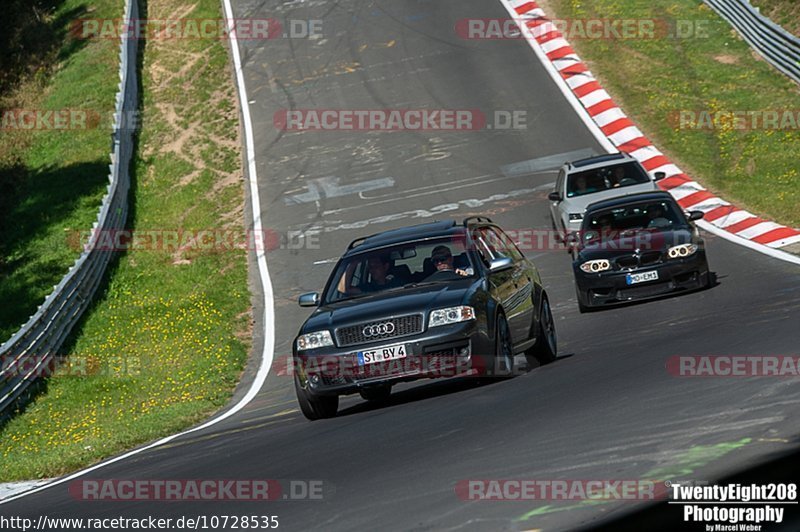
[(582, 182)]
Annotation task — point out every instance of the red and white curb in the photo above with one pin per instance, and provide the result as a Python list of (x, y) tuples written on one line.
[(616, 132)]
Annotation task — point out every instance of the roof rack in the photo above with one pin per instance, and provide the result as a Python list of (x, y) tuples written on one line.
[(478, 219), (597, 159), (358, 241)]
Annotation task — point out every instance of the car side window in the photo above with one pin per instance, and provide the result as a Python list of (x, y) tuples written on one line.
[(482, 247), (560, 181), (495, 243), (509, 245)]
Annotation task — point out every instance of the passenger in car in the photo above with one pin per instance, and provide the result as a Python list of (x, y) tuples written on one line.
[(380, 279)]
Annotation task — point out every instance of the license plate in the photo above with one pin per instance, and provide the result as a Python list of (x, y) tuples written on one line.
[(382, 354), (633, 278)]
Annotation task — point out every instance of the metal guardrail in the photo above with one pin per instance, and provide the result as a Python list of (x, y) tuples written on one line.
[(29, 353), (779, 47)]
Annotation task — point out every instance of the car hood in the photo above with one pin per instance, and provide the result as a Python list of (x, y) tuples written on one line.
[(579, 203), (638, 242), (392, 303)]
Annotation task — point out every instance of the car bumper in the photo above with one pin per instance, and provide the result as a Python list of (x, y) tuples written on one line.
[(608, 288), (441, 352)]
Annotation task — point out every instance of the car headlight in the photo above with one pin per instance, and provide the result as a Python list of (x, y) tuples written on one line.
[(595, 266), (684, 250), (445, 316), (314, 340), (575, 217)]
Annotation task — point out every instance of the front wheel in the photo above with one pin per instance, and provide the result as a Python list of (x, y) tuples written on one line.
[(545, 350), (503, 363), (315, 406)]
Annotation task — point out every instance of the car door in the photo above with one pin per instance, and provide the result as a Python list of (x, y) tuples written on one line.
[(509, 285), (523, 279)]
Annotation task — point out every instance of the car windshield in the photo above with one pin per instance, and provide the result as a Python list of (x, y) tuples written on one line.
[(610, 224), (395, 267), (606, 178)]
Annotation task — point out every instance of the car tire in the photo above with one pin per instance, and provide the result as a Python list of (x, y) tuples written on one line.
[(583, 309), (503, 360), (376, 394), (545, 350), (315, 406)]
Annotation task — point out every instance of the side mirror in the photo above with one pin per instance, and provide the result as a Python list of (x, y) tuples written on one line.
[(659, 176), (554, 196), (696, 215), (310, 299), (501, 264)]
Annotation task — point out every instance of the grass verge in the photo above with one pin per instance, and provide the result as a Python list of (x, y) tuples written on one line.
[(51, 180), (783, 12), (164, 344), (654, 79)]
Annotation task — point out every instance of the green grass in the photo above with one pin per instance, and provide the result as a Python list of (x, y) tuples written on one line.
[(50, 181), (654, 78), (783, 12), (165, 342)]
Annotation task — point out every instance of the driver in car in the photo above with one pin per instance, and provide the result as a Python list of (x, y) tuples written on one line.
[(657, 217), (380, 279), (442, 259)]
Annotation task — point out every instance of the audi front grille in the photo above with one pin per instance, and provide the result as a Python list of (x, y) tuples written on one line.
[(374, 331)]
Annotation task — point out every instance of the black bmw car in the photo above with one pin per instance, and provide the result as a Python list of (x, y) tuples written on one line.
[(441, 299), (637, 247)]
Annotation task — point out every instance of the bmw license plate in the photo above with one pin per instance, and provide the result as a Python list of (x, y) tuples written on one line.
[(382, 354), (633, 278)]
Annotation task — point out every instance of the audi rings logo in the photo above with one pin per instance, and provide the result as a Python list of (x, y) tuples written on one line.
[(378, 329)]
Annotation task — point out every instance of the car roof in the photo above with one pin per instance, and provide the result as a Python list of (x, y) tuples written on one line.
[(656, 195), (436, 229), (599, 161)]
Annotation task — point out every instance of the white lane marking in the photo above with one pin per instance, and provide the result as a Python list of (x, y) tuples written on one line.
[(559, 81), (594, 97), (424, 213), (758, 229), (553, 70), (686, 189), (266, 285), (329, 187), (624, 135), (611, 115), (542, 164), (403, 195), (733, 218), (785, 242)]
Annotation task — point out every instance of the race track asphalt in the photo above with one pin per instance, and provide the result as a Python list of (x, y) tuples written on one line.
[(606, 409)]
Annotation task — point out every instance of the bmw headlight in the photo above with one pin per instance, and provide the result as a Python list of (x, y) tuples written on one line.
[(596, 266), (445, 316), (314, 340), (684, 250)]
